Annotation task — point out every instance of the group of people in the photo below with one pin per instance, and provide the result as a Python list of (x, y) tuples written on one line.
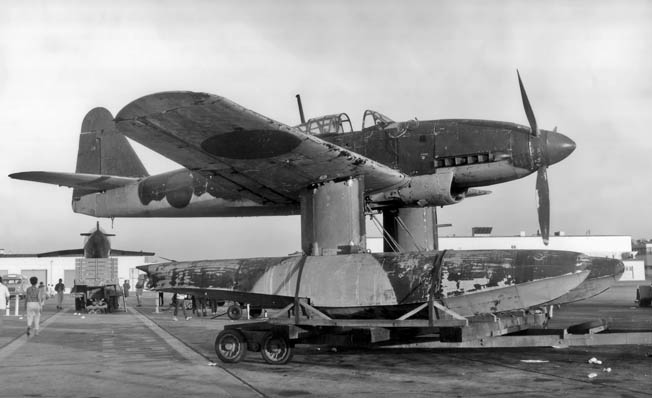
[(35, 297), (140, 285), (200, 306)]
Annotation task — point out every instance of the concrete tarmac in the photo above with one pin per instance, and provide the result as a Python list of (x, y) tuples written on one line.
[(141, 353)]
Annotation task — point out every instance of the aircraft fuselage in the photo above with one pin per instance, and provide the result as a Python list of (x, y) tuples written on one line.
[(97, 245), (481, 152), (472, 153)]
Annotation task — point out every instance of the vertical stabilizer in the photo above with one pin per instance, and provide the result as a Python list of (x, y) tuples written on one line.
[(103, 150)]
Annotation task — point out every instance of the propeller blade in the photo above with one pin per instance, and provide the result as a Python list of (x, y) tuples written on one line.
[(528, 108), (543, 203)]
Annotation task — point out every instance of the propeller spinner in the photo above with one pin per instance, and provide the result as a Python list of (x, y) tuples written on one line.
[(547, 148)]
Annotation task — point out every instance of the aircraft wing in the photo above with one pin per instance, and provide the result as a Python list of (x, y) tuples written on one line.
[(118, 252), (243, 150), (80, 253), (63, 253), (88, 182)]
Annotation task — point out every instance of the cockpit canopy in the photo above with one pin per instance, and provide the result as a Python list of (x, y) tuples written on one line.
[(341, 123), (373, 118), (329, 124)]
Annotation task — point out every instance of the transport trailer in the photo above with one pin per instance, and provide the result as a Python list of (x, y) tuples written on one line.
[(644, 296), (276, 336)]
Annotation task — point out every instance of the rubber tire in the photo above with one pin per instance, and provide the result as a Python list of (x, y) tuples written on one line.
[(234, 312), (230, 346), (276, 350)]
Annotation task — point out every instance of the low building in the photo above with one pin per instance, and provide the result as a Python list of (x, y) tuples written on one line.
[(51, 269)]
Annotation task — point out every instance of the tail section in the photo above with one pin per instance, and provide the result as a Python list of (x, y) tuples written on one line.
[(104, 151)]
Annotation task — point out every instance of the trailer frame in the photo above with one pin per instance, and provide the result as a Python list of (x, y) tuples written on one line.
[(276, 336), (301, 323)]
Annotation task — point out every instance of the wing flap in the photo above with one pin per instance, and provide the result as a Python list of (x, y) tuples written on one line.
[(87, 182), (215, 136)]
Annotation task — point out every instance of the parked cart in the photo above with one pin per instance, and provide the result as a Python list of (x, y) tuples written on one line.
[(97, 299)]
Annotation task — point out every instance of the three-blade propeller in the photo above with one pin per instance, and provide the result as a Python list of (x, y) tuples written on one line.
[(541, 160)]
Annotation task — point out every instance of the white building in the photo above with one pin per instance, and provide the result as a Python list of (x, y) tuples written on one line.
[(613, 246)]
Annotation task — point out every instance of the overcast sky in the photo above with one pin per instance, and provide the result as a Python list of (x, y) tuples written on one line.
[(586, 65)]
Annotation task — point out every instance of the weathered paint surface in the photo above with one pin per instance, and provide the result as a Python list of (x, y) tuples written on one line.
[(515, 296), (604, 273), (381, 284), (215, 136)]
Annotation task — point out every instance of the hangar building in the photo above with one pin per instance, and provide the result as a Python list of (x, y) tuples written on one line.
[(50, 269)]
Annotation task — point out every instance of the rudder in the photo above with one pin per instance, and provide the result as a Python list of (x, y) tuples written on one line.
[(103, 150)]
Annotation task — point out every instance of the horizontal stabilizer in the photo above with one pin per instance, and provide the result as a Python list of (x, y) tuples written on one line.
[(88, 182)]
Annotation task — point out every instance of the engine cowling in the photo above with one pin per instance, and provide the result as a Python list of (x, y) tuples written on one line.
[(424, 190)]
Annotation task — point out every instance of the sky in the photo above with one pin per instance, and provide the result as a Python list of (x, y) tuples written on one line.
[(586, 66)]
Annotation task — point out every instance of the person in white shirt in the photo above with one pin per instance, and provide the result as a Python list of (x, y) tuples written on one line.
[(4, 297)]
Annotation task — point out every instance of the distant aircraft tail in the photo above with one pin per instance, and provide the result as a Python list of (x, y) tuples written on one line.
[(104, 151)]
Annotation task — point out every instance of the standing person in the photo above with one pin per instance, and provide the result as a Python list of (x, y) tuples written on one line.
[(4, 298), (160, 299), (125, 288), (60, 288), (193, 302), (176, 300), (41, 287), (34, 298), (139, 289), (201, 306)]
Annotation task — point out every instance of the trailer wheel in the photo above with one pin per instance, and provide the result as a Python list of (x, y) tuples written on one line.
[(230, 346), (276, 350), (234, 312)]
